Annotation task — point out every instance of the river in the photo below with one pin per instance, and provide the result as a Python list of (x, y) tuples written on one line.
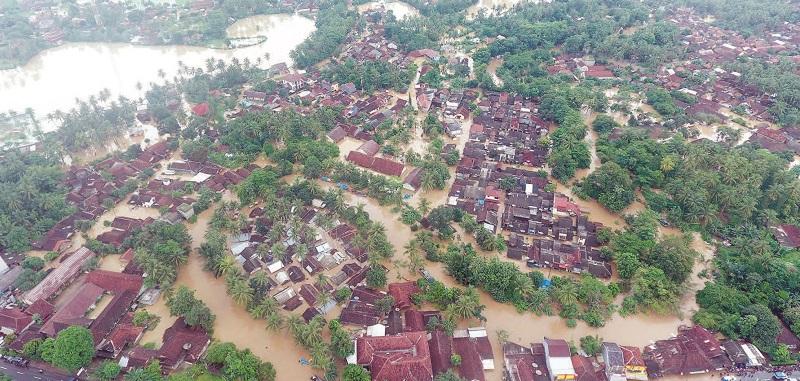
[(56, 77)]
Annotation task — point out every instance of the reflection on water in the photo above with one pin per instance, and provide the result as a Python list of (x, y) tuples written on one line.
[(400, 9), (55, 78)]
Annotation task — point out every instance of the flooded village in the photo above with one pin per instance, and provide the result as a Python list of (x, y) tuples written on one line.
[(291, 211)]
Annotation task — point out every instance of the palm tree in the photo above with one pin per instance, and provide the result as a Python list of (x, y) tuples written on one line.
[(241, 292), (226, 265), (260, 279), (324, 298), (567, 294), (322, 281), (411, 250), (466, 306), (296, 325), (259, 311), (275, 321)]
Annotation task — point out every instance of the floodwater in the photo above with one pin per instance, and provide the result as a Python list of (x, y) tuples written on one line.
[(638, 330), (710, 132), (491, 68), (233, 323), (492, 7), (53, 79), (400, 9)]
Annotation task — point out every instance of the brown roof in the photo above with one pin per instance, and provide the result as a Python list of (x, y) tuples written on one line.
[(402, 292), (14, 318), (73, 310), (396, 358), (59, 277), (183, 343), (41, 307)]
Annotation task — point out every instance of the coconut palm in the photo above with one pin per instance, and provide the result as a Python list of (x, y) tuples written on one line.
[(275, 321), (466, 306), (259, 311), (241, 292), (226, 265), (296, 325), (321, 281)]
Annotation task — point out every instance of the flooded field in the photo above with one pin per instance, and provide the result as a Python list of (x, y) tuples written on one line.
[(78, 70)]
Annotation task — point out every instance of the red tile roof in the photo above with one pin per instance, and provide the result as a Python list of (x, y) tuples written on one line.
[(14, 319), (59, 277), (396, 358), (182, 342), (41, 307), (402, 292)]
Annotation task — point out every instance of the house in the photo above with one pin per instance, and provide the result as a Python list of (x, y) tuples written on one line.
[(185, 210), (787, 235), (614, 362), (694, 350), (475, 350), (587, 369), (56, 279), (525, 363), (559, 360), (402, 293), (413, 180), (635, 368), (183, 344), (400, 357), (13, 320)]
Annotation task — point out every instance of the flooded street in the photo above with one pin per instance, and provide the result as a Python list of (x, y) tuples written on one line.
[(53, 79), (233, 323), (638, 330)]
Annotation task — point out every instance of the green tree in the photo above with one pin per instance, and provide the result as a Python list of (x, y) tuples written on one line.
[(611, 185), (353, 372), (73, 348), (107, 371), (592, 345)]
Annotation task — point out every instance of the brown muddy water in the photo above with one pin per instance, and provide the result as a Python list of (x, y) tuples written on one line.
[(233, 323), (78, 70), (638, 330)]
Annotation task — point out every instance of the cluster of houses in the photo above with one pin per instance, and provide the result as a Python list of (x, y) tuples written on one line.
[(103, 302), (406, 343), (492, 184), (90, 186), (694, 350)]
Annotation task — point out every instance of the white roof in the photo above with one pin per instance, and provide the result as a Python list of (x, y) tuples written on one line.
[(452, 200), (275, 266), (488, 364), (477, 332), (560, 365), (238, 247), (200, 177), (282, 277), (378, 330)]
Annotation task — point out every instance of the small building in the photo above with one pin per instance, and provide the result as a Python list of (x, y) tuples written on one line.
[(614, 362), (559, 360), (186, 210), (59, 277), (635, 368), (13, 320)]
